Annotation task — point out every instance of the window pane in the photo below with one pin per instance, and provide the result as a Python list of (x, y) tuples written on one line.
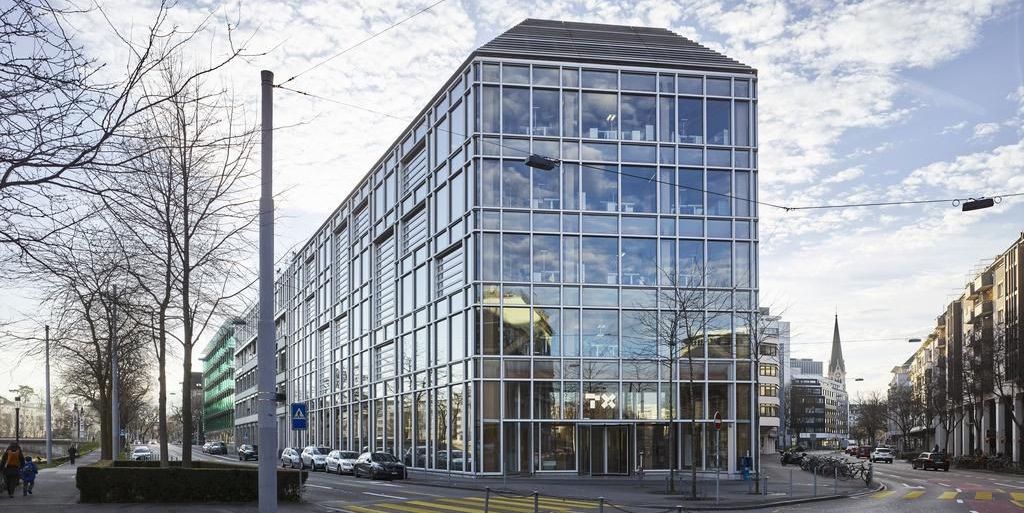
[(515, 330), (667, 107), (570, 113), (558, 446), (741, 88), (639, 189), (490, 109), (743, 264), (742, 124), (546, 259), (545, 76), (667, 190), (691, 85), (638, 117), (570, 259), (570, 186), (600, 79), (570, 333), (513, 74), (691, 191), (639, 82), (545, 188), (600, 260), (546, 332), (545, 112), (719, 264), (640, 402), (639, 261), (600, 334), (600, 189), (600, 120), (667, 263), (691, 263), (691, 121), (742, 193), (639, 330), (515, 184), (600, 400), (515, 110), (719, 87), (515, 257), (490, 249), (719, 122), (492, 73), (719, 191)]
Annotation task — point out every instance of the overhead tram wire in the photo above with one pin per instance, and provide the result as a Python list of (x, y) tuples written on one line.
[(360, 43), (598, 167)]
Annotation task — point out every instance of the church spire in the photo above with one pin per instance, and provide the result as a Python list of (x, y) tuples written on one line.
[(836, 365)]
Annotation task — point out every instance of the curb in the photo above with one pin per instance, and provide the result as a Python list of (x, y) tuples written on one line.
[(703, 507)]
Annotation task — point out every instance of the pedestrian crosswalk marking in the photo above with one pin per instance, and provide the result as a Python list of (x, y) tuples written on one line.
[(1017, 496), (547, 501), (1019, 504), (405, 508), (947, 495), (983, 496), (914, 494), (469, 506), (882, 495), (495, 504)]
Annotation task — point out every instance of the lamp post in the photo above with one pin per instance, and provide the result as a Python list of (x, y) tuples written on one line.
[(17, 417), (49, 425), (266, 346)]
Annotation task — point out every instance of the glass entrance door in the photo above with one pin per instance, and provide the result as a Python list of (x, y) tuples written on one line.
[(604, 450)]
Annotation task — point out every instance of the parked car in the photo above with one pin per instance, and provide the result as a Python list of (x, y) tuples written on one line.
[(206, 447), (217, 448), (863, 452), (851, 450), (315, 457), (881, 454), (420, 459), (142, 453), (378, 464), (290, 458), (247, 452), (932, 460), (341, 461)]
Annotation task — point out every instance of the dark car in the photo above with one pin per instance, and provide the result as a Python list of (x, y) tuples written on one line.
[(932, 460), (247, 452), (378, 465), (864, 452), (217, 448)]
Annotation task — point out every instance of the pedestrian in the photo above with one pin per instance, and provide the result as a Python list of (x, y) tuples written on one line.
[(72, 452), (28, 476), (936, 449), (11, 462)]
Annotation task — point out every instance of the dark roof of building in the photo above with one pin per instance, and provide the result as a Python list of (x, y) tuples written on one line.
[(607, 44)]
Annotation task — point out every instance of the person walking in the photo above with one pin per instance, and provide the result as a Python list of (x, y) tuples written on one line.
[(72, 452), (11, 463), (28, 476)]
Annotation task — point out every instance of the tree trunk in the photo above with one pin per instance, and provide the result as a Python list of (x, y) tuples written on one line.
[(693, 430), (162, 413), (186, 406), (106, 449)]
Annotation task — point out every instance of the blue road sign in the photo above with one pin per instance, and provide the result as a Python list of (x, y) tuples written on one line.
[(300, 413)]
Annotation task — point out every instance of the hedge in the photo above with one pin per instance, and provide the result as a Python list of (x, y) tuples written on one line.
[(146, 481)]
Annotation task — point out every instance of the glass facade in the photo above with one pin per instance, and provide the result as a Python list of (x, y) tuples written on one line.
[(219, 386), (468, 313)]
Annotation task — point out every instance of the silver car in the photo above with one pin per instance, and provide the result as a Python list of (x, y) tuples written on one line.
[(315, 457), (142, 453), (341, 462), (290, 458)]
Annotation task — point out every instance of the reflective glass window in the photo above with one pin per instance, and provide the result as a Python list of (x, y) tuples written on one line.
[(492, 73), (515, 330), (691, 121), (546, 189), (546, 332), (515, 257), (600, 260), (667, 115), (547, 396), (570, 77), (515, 74), (490, 330), (570, 186), (741, 88), (515, 110), (490, 109), (742, 193), (570, 333), (639, 153), (600, 400), (691, 262), (719, 267), (639, 117), (600, 224), (743, 264), (719, 192), (545, 76), (691, 228), (639, 261), (719, 122), (515, 184), (600, 151), (667, 262), (691, 191), (600, 115), (570, 113), (546, 222), (639, 189), (570, 259), (600, 188), (639, 340), (639, 225), (640, 402), (639, 81), (719, 87), (690, 85), (545, 112), (598, 79), (490, 250), (742, 124), (720, 228), (558, 444), (667, 190), (600, 333), (546, 259), (667, 83)]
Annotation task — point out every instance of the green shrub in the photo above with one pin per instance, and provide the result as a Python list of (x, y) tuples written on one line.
[(145, 481)]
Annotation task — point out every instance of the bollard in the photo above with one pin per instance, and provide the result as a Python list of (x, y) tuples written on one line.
[(790, 482), (765, 487), (814, 470), (536, 502), (487, 499), (600, 505), (679, 508), (835, 482)]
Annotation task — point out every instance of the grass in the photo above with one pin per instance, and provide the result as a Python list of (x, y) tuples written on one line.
[(83, 449)]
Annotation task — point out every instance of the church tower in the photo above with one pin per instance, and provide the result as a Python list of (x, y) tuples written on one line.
[(836, 365)]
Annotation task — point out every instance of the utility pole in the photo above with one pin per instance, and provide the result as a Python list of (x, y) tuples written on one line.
[(115, 413), (266, 346), (49, 426)]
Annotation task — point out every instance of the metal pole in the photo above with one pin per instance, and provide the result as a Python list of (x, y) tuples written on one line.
[(536, 503), (718, 463), (790, 482), (814, 470), (17, 424), (49, 426), (487, 499), (673, 444), (835, 482), (115, 399), (266, 346), (600, 505)]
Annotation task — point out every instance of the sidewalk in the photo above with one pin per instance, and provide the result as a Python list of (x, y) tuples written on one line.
[(784, 485)]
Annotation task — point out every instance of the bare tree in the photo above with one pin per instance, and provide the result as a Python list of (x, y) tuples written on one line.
[(903, 410), (760, 331), (872, 417)]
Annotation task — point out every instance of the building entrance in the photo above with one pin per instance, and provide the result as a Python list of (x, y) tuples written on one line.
[(605, 450)]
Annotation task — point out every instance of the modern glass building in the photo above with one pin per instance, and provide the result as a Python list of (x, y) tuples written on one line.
[(471, 314), (218, 385)]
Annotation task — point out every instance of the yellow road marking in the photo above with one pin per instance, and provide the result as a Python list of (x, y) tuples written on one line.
[(947, 495), (1017, 496), (546, 502), (914, 494), (477, 505), (983, 496), (882, 495), (414, 509), (360, 509)]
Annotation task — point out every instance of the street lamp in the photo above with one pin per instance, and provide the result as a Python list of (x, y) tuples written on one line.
[(17, 416), (914, 340), (858, 379), (266, 345)]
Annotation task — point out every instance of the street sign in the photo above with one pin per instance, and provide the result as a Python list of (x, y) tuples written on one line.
[(300, 413), (718, 420)]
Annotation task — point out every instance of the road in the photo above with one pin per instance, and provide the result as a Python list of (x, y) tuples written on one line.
[(920, 491)]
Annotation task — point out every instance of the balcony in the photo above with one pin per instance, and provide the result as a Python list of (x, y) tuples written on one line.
[(980, 284), (981, 311)]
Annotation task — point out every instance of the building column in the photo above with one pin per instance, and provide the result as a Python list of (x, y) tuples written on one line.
[(1018, 408), (965, 433), (1000, 427), (982, 433)]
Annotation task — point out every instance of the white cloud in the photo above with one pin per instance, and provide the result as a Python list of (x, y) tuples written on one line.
[(985, 130), (846, 175), (953, 128)]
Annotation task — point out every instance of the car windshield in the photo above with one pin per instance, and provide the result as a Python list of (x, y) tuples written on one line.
[(322, 450), (141, 449), (382, 457), (349, 455), (882, 450)]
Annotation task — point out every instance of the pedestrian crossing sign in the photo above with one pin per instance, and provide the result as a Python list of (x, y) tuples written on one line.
[(300, 414)]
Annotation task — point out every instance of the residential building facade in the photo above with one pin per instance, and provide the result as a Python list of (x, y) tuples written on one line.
[(469, 313), (770, 388)]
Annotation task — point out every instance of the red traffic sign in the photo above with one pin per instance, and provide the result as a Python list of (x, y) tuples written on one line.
[(718, 420)]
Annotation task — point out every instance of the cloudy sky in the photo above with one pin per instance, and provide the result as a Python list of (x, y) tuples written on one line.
[(859, 102)]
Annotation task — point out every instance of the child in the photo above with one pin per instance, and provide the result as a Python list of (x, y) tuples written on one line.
[(28, 475)]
